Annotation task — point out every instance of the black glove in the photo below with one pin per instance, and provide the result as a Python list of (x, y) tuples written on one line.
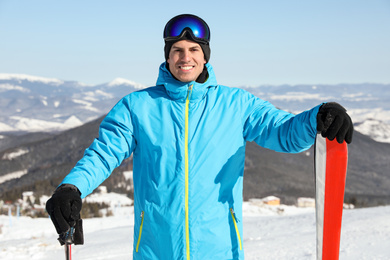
[(334, 122), (64, 209)]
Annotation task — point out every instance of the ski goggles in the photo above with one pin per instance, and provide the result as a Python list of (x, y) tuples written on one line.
[(178, 25)]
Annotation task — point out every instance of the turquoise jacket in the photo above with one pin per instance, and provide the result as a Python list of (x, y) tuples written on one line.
[(188, 144)]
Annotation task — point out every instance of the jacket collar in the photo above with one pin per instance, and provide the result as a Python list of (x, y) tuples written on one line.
[(178, 90)]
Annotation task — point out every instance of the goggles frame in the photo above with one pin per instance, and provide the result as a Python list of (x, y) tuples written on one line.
[(194, 25)]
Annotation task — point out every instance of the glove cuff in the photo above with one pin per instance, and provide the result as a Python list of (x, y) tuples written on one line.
[(67, 187)]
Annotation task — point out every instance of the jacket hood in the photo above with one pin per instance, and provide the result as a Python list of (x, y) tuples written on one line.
[(178, 90)]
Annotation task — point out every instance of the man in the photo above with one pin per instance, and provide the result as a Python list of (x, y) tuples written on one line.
[(188, 135)]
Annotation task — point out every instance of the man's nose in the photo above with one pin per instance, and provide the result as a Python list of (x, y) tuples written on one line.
[(186, 55)]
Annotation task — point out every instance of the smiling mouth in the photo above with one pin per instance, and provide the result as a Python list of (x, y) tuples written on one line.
[(186, 67)]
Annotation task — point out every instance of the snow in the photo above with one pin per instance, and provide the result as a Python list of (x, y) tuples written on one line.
[(362, 114), (270, 232), (374, 123), (122, 81), (37, 125), (112, 199), (12, 175), (103, 94), (5, 128), (97, 95), (29, 124), (73, 121), (376, 129), (358, 97), (6, 76), (15, 154), (7, 87), (128, 175), (86, 105), (299, 96)]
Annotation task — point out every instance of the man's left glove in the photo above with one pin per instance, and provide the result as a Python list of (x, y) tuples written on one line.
[(334, 122), (64, 209)]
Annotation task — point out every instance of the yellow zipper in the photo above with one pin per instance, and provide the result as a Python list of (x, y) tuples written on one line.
[(140, 231), (235, 226), (186, 170)]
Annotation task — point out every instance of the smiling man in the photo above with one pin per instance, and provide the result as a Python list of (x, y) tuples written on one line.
[(186, 60), (187, 135)]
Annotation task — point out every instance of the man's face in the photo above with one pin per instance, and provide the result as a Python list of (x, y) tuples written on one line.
[(186, 60)]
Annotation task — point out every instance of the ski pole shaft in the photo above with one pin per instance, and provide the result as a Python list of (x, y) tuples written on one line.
[(68, 251)]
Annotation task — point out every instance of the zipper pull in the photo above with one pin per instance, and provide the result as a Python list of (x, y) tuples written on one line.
[(189, 92), (142, 214), (234, 215)]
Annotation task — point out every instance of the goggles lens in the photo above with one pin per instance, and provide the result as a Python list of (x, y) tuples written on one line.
[(176, 25)]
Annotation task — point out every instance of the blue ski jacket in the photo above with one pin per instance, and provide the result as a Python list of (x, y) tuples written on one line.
[(188, 143)]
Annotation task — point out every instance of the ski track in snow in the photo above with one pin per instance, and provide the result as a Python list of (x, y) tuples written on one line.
[(365, 235)]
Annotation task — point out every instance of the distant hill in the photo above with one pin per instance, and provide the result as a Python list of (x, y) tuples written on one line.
[(45, 162), (42, 162)]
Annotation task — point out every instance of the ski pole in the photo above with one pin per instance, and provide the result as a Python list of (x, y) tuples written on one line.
[(66, 239), (68, 251)]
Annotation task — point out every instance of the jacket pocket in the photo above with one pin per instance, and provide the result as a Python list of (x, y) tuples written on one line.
[(140, 231), (236, 227)]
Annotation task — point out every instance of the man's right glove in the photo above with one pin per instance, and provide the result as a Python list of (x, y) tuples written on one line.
[(64, 209), (334, 122)]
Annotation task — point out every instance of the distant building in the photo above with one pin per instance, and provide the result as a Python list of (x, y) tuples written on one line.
[(101, 189), (28, 196), (271, 200), (306, 202)]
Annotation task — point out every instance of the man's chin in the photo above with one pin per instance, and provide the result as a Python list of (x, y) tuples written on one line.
[(185, 78)]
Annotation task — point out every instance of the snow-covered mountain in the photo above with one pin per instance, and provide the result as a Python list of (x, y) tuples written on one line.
[(368, 104), (34, 104), (353, 96)]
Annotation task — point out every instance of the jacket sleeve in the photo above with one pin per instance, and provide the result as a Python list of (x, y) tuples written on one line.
[(115, 143), (279, 130)]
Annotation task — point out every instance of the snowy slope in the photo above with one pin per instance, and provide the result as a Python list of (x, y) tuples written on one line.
[(267, 235)]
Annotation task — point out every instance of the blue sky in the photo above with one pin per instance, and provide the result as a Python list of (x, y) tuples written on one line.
[(252, 42)]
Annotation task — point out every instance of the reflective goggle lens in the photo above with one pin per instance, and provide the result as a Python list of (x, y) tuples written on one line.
[(176, 25)]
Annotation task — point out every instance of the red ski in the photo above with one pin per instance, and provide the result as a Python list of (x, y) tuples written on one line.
[(331, 159)]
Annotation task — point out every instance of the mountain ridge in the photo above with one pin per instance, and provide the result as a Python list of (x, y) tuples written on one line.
[(37, 104)]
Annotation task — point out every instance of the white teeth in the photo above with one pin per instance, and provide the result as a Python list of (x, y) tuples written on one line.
[(186, 68)]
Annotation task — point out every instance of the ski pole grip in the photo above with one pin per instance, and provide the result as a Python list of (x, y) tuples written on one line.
[(67, 237), (74, 235)]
